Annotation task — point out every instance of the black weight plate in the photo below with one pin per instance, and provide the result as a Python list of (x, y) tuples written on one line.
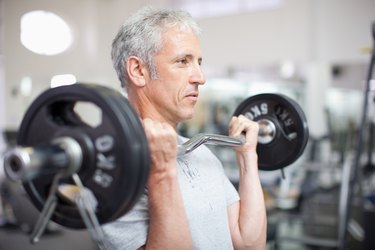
[(143, 158), (116, 188), (291, 128)]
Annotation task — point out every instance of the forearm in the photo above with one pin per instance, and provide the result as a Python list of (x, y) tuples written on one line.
[(247, 218), (168, 227), (252, 220)]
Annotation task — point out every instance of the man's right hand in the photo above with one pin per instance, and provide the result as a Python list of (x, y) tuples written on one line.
[(162, 141), (168, 224)]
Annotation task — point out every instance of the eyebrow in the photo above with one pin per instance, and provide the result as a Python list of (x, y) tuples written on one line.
[(190, 56)]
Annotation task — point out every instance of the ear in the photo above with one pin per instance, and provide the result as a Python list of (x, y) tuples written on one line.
[(137, 71)]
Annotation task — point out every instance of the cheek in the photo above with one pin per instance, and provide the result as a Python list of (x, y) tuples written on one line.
[(171, 84), (164, 93)]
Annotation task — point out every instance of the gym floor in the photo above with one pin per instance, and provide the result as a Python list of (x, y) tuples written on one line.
[(18, 217), (285, 232), (12, 238)]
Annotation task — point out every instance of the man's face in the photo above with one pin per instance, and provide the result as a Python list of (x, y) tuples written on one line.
[(178, 65)]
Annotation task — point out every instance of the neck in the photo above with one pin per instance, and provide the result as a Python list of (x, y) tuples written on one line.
[(146, 109)]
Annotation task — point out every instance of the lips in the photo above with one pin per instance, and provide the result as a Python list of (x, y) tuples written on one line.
[(193, 96)]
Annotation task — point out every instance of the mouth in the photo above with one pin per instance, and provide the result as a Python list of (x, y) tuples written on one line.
[(193, 96)]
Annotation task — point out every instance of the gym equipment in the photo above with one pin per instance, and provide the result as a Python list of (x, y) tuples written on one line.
[(348, 181), (72, 170), (55, 139), (283, 129)]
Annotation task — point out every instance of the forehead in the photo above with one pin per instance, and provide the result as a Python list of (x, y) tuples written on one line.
[(177, 41)]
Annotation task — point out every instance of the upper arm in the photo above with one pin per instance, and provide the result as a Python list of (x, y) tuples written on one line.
[(233, 219), (235, 230)]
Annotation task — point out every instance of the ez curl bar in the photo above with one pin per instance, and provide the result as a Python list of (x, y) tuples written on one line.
[(71, 170)]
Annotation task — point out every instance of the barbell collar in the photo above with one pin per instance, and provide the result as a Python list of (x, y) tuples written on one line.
[(267, 131), (25, 163)]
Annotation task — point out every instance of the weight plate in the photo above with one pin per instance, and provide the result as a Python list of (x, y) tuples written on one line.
[(291, 134), (115, 152)]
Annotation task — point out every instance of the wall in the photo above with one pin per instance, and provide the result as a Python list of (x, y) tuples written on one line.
[(262, 37), (342, 28), (94, 25)]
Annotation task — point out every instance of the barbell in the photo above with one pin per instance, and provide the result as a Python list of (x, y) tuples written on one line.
[(55, 147)]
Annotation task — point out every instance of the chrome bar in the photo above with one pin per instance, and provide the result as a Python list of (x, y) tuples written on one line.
[(210, 139)]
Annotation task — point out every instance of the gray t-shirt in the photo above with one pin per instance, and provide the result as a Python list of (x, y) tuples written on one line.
[(206, 192)]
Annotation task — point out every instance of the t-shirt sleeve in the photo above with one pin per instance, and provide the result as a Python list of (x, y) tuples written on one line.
[(130, 230), (231, 193)]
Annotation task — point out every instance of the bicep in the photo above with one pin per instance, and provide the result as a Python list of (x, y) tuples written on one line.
[(233, 211)]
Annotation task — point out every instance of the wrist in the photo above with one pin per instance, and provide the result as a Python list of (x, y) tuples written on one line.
[(162, 175), (163, 188), (247, 161), (248, 156)]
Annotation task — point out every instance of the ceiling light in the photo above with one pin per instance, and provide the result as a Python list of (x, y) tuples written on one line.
[(45, 33)]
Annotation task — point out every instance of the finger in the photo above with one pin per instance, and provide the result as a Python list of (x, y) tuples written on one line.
[(239, 126), (162, 141), (232, 125), (160, 133), (248, 125)]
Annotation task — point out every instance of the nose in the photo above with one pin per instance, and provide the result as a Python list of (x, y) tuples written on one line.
[(197, 76)]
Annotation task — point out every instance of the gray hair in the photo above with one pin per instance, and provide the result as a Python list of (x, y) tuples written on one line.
[(141, 36)]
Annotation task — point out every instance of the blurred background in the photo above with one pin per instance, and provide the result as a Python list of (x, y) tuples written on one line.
[(315, 51)]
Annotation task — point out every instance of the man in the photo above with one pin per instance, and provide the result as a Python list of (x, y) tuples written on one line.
[(189, 203)]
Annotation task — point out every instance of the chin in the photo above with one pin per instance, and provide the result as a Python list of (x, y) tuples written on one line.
[(188, 115)]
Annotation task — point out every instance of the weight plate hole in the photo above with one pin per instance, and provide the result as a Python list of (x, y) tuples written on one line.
[(68, 113), (89, 113)]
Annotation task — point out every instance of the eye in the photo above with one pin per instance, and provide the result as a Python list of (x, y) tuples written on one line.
[(182, 61)]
